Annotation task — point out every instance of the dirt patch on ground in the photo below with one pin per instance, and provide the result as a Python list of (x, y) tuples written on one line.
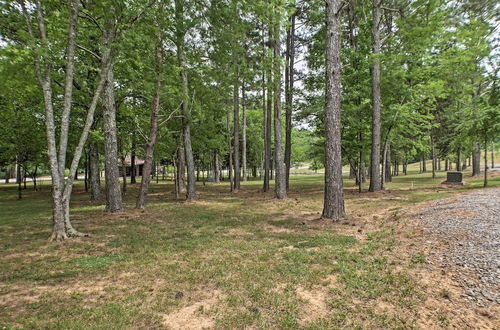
[(314, 305), (198, 315)]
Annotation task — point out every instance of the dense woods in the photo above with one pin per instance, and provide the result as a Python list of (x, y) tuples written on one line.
[(237, 90)]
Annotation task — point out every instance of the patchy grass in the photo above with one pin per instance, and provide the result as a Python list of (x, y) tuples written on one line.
[(225, 261)]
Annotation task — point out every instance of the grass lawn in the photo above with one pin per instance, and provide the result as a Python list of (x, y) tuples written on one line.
[(234, 261)]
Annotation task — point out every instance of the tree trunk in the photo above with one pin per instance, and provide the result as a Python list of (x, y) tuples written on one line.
[(289, 77), (244, 133), (383, 167), (186, 115), (153, 130), (459, 160), (360, 164), (181, 167), (492, 154), (485, 163), (352, 172), (424, 164), (236, 133), (388, 163), (124, 175), (7, 175), (95, 180), (25, 172), (375, 72), (280, 181), (112, 173), (333, 207), (132, 160), (216, 167), (230, 167), (267, 160), (61, 192), (433, 159), (86, 171), (19, 183), (476, 159), (267, 108)]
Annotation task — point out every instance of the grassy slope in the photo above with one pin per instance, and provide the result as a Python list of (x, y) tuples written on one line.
[(242, 260)]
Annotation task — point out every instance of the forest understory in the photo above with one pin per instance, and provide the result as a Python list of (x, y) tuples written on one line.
[(237, 260)]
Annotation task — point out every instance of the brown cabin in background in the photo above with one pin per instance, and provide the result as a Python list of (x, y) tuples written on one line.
[(139, 165)]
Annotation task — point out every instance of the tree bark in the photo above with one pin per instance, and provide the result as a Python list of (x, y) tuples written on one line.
[(244, 133), (485, 163), (112, 173), (153, 130), (181, 167), (230, 167), (132, 160), (19, 183), (433, 158), (236, 133), (280, 180), (186, 115), (376, 103), (333, 207), (492, 154), (216, 167), (95, 180), (424, 163), (61, 191), (267, 135), (476, 159), (388, 175), (289, 77)]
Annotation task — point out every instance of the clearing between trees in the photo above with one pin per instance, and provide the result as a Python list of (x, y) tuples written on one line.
[(241, 260)]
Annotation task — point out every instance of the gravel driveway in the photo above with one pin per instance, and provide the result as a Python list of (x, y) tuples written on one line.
[(470, 226)]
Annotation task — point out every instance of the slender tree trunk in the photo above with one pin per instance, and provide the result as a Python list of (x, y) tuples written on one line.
[(132, 160), (459, 160), (485, 163), (19, 190), (124, 175), (433, 158), (230, 167), (333, 207), (61, 192), (181, 167), (112, 173), (476, 159), (352, 172), (269, 116), (236, 134), (153, 130), (388, 175), (492, 154), (376, 103), (280, 181), (95, 180), (216, 167), (25, 172), (7, 175), (360, 164), (267, 104), (244, 133), (383, 167), (424, 163), (186, 115), (86, 171), (289, 77)]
